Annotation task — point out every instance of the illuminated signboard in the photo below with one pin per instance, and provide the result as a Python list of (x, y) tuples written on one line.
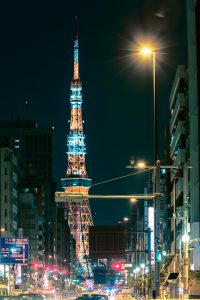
[(151, 224), (14, 250)]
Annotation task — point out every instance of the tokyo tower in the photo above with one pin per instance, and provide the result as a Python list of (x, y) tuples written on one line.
[(77, 181)]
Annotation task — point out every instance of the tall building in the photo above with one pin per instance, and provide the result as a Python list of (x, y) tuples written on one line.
[(32, 145), (77, 181), (9, 193), (193, 29), (180, 157), (33, 148), (31, 220)]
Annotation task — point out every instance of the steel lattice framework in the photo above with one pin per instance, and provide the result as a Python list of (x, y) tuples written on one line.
[(77, 181)]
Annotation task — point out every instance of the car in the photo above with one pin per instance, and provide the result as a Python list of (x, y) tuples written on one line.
[(31, 296), (8, 298), (92, 296)]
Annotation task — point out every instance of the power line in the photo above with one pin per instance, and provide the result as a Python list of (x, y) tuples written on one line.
[(124, 176)]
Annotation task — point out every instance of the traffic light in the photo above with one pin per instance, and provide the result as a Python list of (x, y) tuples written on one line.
[(117, 266), (35, 265), (159, 256), (64, 272), (55, 270)]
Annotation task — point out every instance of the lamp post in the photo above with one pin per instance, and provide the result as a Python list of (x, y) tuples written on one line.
[(148, 51), (156, 169)]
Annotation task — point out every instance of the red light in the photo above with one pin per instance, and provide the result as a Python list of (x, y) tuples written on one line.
[(64, 272), (55, 270), (117, 266), (35, 265)]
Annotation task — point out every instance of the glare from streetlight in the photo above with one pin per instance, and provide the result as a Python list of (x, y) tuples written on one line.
[(146, 51), (2, 229), (133, 200), (126, 219), (141, 165), (185, 238), (142, 266)]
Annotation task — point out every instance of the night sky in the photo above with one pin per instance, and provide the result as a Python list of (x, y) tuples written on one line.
[(36, 65)]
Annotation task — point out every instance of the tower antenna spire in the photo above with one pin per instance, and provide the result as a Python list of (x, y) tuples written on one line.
[(77, 181), (76, 56)]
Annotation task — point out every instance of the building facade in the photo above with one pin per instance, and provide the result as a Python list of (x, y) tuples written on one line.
[(180, 157), (33, 148), (9, 193), (193, 30)]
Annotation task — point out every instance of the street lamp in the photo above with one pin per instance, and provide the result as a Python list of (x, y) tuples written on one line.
[(156, 169), (133, 200), (185, 238), (152, 53)]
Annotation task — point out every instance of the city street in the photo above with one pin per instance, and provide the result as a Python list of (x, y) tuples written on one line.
[(100, 150)]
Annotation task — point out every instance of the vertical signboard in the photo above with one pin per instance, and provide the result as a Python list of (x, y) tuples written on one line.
[(14, 250), (151, 224)]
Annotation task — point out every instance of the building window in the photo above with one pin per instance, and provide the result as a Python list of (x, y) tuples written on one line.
[(6, 171), (29, 216), (6, 213), (6, 226)]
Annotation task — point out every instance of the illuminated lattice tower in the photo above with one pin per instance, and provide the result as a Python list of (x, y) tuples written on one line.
[(77, 181)]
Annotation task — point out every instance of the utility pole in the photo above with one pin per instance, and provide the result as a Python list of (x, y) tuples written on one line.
[(157, 231), (149, 259)]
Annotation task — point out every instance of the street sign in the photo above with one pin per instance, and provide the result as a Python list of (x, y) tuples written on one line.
[(14, 250), (62, 197), (128, 265)]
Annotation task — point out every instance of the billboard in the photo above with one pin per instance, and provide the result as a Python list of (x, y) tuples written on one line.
[(14, 250), (107, 242)]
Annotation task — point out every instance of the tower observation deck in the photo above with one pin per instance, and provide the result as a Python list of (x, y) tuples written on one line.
[(77, 181)]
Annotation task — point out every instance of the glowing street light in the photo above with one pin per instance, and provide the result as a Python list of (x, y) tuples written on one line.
[(185, 238), (141, 165), (146, 51), (133, 200)]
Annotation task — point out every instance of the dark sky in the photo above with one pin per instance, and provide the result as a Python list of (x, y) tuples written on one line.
[(36, 56)]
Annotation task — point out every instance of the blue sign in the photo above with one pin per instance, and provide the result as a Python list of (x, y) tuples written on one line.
[(14, 250)]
